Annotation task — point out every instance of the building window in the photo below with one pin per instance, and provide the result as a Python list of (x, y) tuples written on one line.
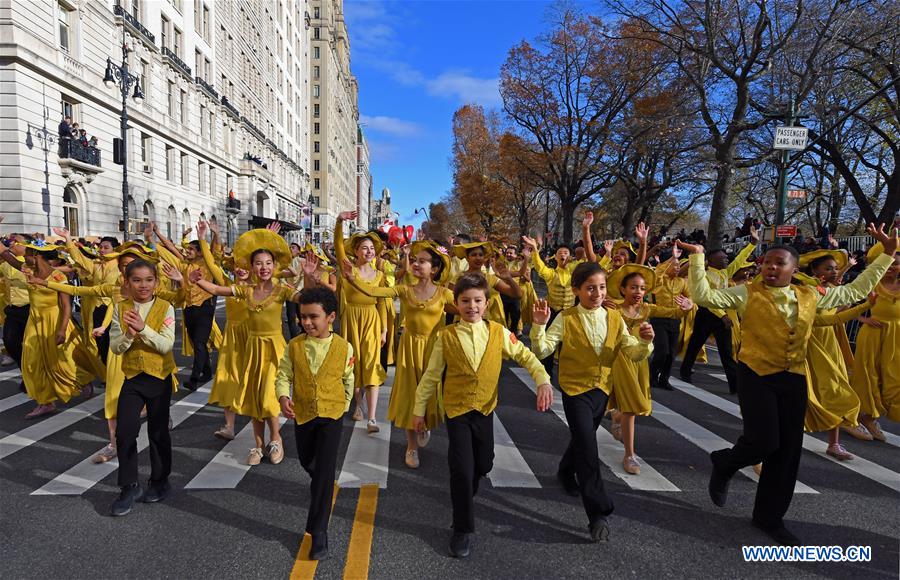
[(176, 40), (316, 52), (68, 110), (207, 69), (316, 128), (183, 106), (164, 31), (229, 183), (316, 110), (316, 91), (316, 33), (203, 130), (70, 210), (197, 16), (170, 162), (316, 12), (185, 169), (171, 99), (315, 146), (146, 151), (198, 63), (316, 183), (206, 36), (145, 77), (171, 221), (65, 28), (316, 72), (202, 175), (211, 127), (316, 165), (212, 181), (136, 9), (185, 220)]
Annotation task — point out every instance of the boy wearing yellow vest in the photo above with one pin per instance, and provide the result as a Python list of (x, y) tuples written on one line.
[(469, 356), (143, 334), (771, 372), (590, 337), (314, 386)]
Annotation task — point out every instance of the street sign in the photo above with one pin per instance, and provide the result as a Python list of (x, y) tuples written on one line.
[(796, 193), (786, 231), (790, 138)]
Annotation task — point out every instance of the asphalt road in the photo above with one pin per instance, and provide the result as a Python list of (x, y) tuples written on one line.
[(664, 526)]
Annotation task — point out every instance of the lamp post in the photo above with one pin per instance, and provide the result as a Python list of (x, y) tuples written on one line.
[(119, 76), (309, 202), (424, 211)]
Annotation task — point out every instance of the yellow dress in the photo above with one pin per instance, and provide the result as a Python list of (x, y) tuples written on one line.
[(876, 367), (631, 380), (831, 401), (260, 354), (423, 321), (50, 372), (96, 272)]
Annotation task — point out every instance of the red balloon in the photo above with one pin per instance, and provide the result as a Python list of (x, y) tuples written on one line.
[(409, 231), (395, 236)]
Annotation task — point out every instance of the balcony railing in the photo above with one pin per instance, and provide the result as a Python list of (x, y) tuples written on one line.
[(73, 149), (231, 108), (134, 24), (176, 62), (232, 205), (207, 88), (253, 129)]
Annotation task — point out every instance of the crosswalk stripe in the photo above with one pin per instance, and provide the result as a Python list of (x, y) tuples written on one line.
[(609, 450), (706, 439), (87, 474), (368, 455), (859, 464), (229, 466), (8, 403), (50, 425), (14, 373), (510, 468)]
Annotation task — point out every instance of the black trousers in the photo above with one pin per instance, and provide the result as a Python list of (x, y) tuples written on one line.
[(14, 331), (292, 312), (706, 323), (198, 320), (470, 455), (103, 341), (583, 413), (513, 309), (156, 394), (317, 447), (773, 408), (665, 349), (549, 361)]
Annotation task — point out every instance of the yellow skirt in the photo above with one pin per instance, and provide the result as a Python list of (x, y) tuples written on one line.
[(529, 297), (361, 327), (49, 370), (115, 378), (256, 398), (630, 386), (876, 370), (227, 383), (413, 353), (392, 326), (831, 400)]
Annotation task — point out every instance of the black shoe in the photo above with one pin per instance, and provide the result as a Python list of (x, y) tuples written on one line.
[(124, 504), (190, 384), (22, 387), (666, 386), (460, 545), (599, 530), (685, 376), (718, 484), (318, 549), (569, 484), (157, 492), (779, 533), (205, 378)]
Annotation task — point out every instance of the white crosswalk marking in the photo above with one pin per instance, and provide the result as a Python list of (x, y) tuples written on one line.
[(368, 456), (87, 474), (510, 468), (14, 401), (10, 374), (229, 466), (860, 465), (610, 450), (50, 425)]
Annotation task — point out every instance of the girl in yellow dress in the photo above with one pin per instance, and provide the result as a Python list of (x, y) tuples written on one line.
[(115, 292), (52, 341), (363, 318), (876, 368), (264, 253), (477, 255), (424, 303), (630, 379)]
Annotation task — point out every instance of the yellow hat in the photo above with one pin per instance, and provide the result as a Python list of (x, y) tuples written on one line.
[(354, 240), (874, 252), (615, 279), (622, 244), (41, 246), (441, 251), (133, 248), (460, 250), (317, 251), (839, 256), (261, 239), (807, 280)]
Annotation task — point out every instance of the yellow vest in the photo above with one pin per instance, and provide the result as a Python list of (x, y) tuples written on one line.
[(559, 291), (768, 344), (141, 358), (321, 394), (581, 369), (467, 389)]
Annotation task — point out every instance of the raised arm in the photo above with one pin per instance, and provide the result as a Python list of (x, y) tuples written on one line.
[(545, 340), (174, 254), (339, 252), (586, 240), (869, 278), (642, 232), (701, 292), (831, 318), (505, 283), (210, 261), (742, 256), (214, 289)]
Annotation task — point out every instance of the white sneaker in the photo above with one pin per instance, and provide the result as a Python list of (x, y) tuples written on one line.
[(5, 361), (412, 459), (372, 426), (255, 456), (357, 414), (423, 438)]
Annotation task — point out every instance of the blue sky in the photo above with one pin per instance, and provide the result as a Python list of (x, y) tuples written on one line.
[(417, 61)]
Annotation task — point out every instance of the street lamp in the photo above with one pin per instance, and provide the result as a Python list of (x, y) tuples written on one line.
[(309, 202), (424, 211), (118, 75), (396, 213)]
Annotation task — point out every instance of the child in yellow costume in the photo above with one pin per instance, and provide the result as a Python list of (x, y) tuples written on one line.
[(477, 256)]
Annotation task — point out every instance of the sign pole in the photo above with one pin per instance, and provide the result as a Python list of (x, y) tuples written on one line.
[(782, 176)]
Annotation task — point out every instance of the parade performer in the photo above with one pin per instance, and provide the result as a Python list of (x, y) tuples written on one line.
[(424, 304), (16, 301), (668, 290), (314, 388), (771, 381), (143, 334), (467, 359), (590, 338), (478, 256)]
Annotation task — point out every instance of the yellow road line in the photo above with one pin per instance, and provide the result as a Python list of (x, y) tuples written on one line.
[(304, 568), (359, 552)]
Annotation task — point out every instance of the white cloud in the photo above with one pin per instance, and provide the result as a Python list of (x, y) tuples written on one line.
[(390, 125), (379, 151), (466, 88)]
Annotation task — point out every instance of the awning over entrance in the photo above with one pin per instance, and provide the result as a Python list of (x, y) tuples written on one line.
[(261, 222)]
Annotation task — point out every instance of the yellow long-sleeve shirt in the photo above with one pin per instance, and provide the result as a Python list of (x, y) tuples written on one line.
[(545, 340), (719, 279), (474, 341)]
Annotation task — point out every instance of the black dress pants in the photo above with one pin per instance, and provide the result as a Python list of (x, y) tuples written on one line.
[(706, 323), (665, 348), (14, 331), (102, 341), (513, 309), (317, 447), (156, 394), (773, 408), (292, 312), (470, 455), (581, 458), (198, 320)]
